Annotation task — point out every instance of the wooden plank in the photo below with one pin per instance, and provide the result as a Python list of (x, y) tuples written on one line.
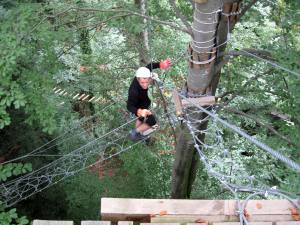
[(269, 207), (202, 101), (288, 223), (261, 207), (125, 222), (217, 218), (177, 103), (51, 222), (238, 223), (160, 224), (90, 222), (161, 206), (194, 211), (196, 224), (269, 218), (193, 219)]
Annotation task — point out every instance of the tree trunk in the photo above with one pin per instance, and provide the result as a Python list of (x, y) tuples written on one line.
[(209, 32), (143, 37)]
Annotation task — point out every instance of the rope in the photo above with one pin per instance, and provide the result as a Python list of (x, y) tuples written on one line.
[(40, 149), (263, 146), (272, 63), (23, 187)]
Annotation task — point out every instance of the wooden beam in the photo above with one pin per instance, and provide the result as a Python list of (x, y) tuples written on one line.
[(194, 211), (251, 223), (193, 219), (125, 222), (202, 101), (288, 223), (177, 103), (153, 207), (51, 222), (196, 224), (89, 222), (218, 218), (160, 224)]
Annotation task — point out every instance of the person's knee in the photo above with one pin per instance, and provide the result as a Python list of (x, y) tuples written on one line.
[(151, 121)]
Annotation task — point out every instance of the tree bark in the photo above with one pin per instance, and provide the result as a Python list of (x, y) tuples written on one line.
[(210, 33), (142, 38)]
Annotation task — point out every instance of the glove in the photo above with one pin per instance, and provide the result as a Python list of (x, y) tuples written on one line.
[(143, 113), (165, 64)]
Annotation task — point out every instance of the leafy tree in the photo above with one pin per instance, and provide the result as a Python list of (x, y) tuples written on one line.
[(10, 216)]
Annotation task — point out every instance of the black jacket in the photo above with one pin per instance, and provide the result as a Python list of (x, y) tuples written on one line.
[(137, 96)]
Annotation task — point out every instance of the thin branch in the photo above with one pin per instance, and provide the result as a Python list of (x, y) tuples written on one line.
[(240, 91), (246, 8), (234, 53), (42, 21), (170, 24), (180, 15), (258, 52), (254, 118), (95, 26), (103, 22)]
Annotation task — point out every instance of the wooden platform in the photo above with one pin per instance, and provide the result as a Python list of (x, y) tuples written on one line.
[(195, 211), (118, 211), (180, 104), (49, 222)]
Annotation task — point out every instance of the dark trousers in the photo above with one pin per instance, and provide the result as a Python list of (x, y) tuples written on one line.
[(150, 120)]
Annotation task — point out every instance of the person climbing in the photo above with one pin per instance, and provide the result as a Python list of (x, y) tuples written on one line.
[(138, 102)]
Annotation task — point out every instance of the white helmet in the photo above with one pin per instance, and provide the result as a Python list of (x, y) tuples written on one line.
[(143, 72)]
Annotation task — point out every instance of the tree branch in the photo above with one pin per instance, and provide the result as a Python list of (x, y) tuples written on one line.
[(258, 52), (181, 16), (246, 8), (42, 21), (254, 118), (170, 24), (240, 91), (234, 53)]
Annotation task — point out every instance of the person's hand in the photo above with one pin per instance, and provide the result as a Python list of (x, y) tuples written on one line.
[(143, 112), (165, 64)]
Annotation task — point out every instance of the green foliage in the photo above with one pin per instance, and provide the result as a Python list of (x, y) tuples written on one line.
[(13, 169), (10, 216), (28, 58)]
